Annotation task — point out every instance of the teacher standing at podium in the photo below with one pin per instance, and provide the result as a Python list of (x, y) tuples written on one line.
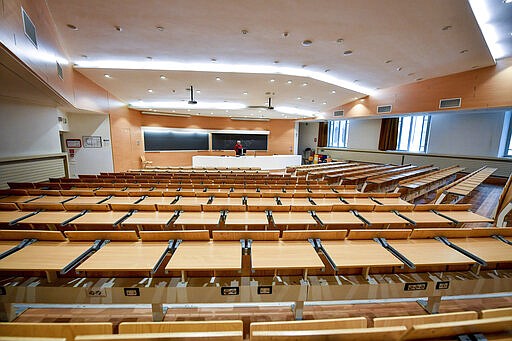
[(238, 148)]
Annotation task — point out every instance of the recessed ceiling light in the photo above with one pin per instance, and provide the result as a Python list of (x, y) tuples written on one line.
[(245, 92), (324, 103), (464, 51), (446, 28), (213, 60), (276, 61), (399, 68), (339, 40), (73, 27), (285, 34), (299, 98), (419, 79), (118, 28), (244, 31), (188, 110), (307, 43), (304, 84), (198, 91), (475, 66), (388, 61), (327, 70), (83, 56), (333, 91), (272, 80), (149, 58), (289, 82), (150, 90), (163, 77), (211, 113), (217, 78), (348, 52), (411, 74), (160, 28), (107, 75)]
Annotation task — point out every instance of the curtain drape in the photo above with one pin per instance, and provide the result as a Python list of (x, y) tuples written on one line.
[(322, 134), (388, 134)]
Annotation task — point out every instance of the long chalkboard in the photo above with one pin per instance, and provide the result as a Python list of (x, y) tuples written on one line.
[(249, 141), (171, 140)]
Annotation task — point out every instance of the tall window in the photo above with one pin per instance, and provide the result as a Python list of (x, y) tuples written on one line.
[(508, 146), (413, 133), (337, 134)]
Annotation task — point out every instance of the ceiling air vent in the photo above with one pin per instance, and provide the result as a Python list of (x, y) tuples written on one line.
[(29, 28), (384, 109), (449, 103), (338, 113)]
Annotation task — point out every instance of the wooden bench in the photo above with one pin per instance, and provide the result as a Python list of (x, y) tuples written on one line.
[(465, 185), (178, 336), (436, 331), (499, 312), (68, 331), (415, 187), (409, 321)]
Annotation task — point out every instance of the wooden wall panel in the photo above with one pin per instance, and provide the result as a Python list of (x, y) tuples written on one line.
[(482, 88)]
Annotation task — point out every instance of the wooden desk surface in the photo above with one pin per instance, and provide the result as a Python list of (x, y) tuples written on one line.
[(125, 256), (429, 252), (86, 200), (383, 218), (49, 217), (327, 201), (50, 199), (466, 217), (293, 218), (361, 201), (7, 245), (104, 218), (261, 201), (8, 216), (192, 201), (157, 200), (207, 255), (198, 218), (296, 201), (227, 201), (425, 217), (339, 218), (44, 256), (284, 255), (489, 249), (246, 218), (359, 253), (393, 201), (122, 200), (149, 218), (17, 198)]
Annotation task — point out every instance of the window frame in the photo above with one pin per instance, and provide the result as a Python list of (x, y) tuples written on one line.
[(335, 127), (424, 133), (507, 152)]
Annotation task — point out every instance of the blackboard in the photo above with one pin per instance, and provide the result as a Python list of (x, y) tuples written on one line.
[(172, 140), (249, 141)]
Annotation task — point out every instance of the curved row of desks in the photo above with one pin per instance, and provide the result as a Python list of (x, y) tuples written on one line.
[(247, 252)]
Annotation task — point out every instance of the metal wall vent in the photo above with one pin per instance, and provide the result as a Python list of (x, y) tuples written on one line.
[(449, 103), (29, 28), (384, 109), (338, 113)]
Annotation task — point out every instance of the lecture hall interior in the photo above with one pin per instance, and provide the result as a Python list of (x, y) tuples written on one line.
[(368, 198)]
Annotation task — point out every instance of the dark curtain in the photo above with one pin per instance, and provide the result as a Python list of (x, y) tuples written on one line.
[(322, 134), (388, 134)]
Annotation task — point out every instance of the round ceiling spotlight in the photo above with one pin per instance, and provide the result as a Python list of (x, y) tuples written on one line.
[(464, 51), (285, 34), (244, 31), (340, 41), (160, 28), (388, 61), (307, 43), (447, 27), (348, 52), (73, 27), (118, 28)]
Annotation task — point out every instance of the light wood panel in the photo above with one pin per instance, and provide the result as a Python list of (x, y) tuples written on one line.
[(409, 321), (179, 326), (65, 330)]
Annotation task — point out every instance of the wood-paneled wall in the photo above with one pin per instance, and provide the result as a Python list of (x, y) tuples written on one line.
[(488, 87)]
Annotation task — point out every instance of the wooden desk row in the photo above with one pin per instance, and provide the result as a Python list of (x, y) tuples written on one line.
[(93, 253), (465, 185), (235, 219), (388, 182)]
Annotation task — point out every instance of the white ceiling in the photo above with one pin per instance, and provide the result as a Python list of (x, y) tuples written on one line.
[(408, 33)]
